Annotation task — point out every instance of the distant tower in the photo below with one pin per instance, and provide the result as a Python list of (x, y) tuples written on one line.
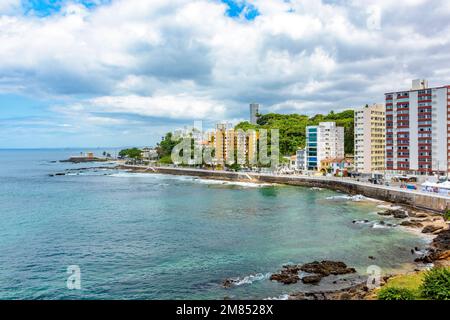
[(254, 111)]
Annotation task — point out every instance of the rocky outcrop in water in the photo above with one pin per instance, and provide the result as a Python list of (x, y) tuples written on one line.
[(288, 275), (431, 229), (317, 270), (397, 213)]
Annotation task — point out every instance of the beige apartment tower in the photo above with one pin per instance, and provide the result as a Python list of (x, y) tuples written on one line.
[(370, 139)]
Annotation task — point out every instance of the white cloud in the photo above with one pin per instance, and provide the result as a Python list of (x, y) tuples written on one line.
[(183, 59)]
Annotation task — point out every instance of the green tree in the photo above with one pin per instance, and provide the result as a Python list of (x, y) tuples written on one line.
[(134, 153)]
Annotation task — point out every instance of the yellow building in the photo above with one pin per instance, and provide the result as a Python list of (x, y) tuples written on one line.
[(234, 146), (370, 139)]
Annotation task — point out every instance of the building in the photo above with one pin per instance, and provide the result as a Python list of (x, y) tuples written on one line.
[(254, 112), (336, 166), (417, 129), (224, 143), (301, 159), (323, 141), (149, 154), (370, 139), (236, 146)]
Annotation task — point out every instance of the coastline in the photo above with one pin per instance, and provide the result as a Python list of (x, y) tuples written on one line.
[(419, 216), (415, 200), (419, 219)]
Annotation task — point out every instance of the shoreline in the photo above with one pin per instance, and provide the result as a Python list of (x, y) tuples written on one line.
[(417, 216), (414, 200)]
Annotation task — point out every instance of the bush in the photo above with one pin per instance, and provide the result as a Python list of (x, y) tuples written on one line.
[(436, 284), (447, 215), (393, 293)]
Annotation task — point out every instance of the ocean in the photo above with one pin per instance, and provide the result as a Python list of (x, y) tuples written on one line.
[(145, 236)]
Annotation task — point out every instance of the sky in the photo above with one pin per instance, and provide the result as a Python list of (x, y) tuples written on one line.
[(111, 73)]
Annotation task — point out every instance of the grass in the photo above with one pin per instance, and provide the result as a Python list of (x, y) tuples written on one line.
[(410, 282)]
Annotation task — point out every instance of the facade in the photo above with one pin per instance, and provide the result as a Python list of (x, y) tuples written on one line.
[(301, 159), (323, 141), (417, 130), (336, 165), (236, 146), (149, 154), (370, 139), (254, 111)]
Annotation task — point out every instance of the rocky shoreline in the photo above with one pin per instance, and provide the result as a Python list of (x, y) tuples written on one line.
[(311, 274), (412, 219)]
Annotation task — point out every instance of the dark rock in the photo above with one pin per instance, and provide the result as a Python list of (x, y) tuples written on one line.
[(411, 224), (431, 229), (227, 283), (371, 257), (60, 174), (397, 213), (314, 279), (285, 278), (326, 268), (288, 275)]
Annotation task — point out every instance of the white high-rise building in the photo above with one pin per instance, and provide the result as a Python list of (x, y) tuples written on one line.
[(370, 139), (325, 141)]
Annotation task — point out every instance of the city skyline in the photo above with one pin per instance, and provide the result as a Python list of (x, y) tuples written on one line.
[(73, 77)]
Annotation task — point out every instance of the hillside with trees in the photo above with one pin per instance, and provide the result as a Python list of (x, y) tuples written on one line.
[(293, 128)]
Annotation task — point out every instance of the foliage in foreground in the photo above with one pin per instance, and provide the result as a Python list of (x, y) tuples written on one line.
[(436, 284), (394, 293)]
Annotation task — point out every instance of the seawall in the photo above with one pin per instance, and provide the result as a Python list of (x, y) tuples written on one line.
[(414, 199)]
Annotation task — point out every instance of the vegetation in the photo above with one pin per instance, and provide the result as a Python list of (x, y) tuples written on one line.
[(447, 215), (433, 284), (133, 153), (436, 284), (394, 293), (293, 128), (164, 148)]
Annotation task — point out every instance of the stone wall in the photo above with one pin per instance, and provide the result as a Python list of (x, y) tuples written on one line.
[(403, 197)]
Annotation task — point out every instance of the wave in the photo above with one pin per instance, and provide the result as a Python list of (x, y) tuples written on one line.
[(189, 179), (356, 198), (250, 279), (280, 297)]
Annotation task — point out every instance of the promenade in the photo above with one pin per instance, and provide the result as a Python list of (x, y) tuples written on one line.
[(412, 198)]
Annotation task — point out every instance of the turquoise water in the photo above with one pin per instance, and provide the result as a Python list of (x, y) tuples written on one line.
[(137, 236)]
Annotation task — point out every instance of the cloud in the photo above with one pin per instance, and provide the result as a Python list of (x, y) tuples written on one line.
[(181, 60)]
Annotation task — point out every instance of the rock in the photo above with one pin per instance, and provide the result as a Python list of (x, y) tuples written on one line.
[(421, 215), (371, 257), (411, 224), (397, 213), (285, 278), (325, 268), (60, 174), (288, 275), (227, 283), (314, 279), (431, 229)]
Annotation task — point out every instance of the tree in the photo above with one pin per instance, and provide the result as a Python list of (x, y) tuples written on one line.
[(133, 153)]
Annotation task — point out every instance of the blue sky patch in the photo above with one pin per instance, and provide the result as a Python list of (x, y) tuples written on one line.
[(43, 8), (237, 8)]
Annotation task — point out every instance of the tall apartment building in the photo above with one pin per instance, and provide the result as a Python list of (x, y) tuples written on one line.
[(234, 145), (370, 139), (254, 111), (417, 129), (325, 141)]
